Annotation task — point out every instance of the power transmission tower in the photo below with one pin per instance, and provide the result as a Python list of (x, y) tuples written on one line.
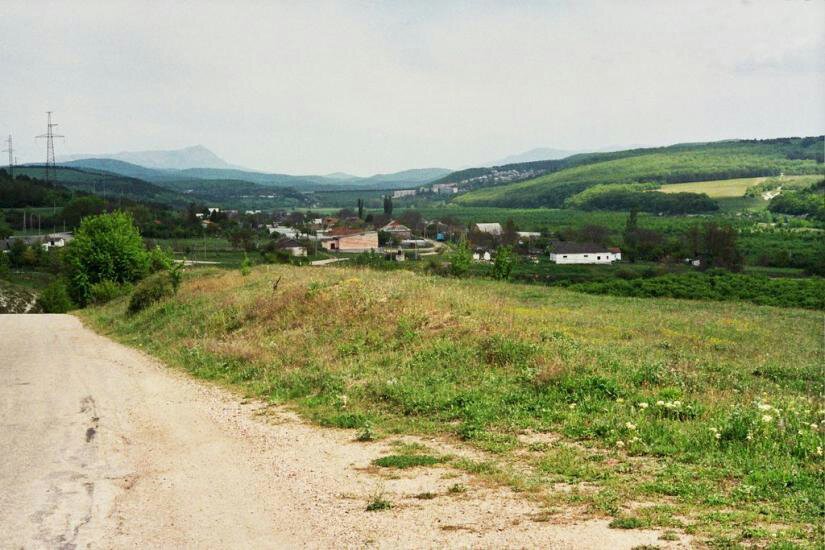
[(10, 150), (49, 137)]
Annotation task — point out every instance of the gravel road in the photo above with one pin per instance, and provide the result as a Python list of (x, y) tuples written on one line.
[(103, 447)]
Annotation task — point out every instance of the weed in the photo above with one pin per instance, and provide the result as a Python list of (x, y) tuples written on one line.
[(457, 489), (426, 496), (626, 522), (406, 461), (378, 502)]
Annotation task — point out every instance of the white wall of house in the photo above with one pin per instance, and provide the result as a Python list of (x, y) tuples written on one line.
[(589, 258)]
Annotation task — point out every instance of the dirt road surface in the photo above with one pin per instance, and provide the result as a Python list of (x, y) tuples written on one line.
[(103, 447)]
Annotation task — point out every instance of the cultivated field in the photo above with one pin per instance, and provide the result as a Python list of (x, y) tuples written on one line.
[(692, 416), (734, 187)]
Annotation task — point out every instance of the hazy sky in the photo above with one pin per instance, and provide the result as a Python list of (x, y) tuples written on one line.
[(363, 87)]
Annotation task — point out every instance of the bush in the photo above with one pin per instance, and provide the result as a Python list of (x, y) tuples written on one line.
[(160, 260), (55, 298), (152, 289), (105, 247), (106, 291)]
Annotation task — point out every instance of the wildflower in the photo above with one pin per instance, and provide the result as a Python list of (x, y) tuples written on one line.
[(643, 405), (677, 403), (800, 432), (814, 426), (819, 451), (571, 406), (766, 418), (660, 403), (717, 435), (343, 399), (630, 425), (619, 400), (764, 407), (749, 436), (620, 444)]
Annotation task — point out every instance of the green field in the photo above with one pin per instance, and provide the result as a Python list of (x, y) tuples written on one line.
[(696, 416), (734, 187)]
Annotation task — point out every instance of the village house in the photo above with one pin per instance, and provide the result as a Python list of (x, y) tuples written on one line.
[(397, 229), (583, 253), (346, 239), (489, 228), (444, 188), (290, 246), (397, 194)]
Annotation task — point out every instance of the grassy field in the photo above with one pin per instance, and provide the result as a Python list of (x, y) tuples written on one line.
[(734, 187), (701, 417)]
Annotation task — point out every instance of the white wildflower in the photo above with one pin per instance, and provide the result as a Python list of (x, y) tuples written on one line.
[(619, 400), (749, 436), (766, 418), (677, 403), (571, 406), (814, 426), (819, 451), (620, 444), (717, 435), (630, 425), (642, 405), (764, 407), (660, 403)]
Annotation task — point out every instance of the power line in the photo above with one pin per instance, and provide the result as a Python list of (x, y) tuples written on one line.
[(10, 150), (49, 137)]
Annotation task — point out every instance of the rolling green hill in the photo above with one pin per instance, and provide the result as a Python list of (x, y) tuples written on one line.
[(663, 165)]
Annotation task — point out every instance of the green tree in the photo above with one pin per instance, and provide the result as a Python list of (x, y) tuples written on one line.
[(503, 264), (5, 229), (388, 205), (55, 298), (107, 247), (361, 209), (630, 236), (461, 259)]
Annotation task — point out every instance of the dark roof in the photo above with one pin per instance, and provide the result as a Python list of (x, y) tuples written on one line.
[(567, 247), (286, 242)]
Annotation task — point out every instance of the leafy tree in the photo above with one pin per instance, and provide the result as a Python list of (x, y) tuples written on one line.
[(631, 243), (720, 250), (503, 263), (461, 259), (388, 205), (105, 247), (80, 207), (5, 228), (55, 298), (361, 209)]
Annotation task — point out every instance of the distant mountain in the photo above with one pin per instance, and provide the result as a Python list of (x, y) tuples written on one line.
[(338, 180), (196, 156)]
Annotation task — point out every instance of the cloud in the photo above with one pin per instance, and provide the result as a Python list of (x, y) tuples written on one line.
[(366, 87)]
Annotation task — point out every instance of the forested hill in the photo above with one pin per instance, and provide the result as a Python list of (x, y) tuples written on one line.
[(550, 183)]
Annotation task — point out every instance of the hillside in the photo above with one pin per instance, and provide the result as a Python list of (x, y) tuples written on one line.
[(108, 185), (663, 165), (597, 403), (196, 156)]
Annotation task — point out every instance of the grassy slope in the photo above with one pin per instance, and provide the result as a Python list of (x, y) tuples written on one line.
[(490, 362), (733, 187), (670, 165)]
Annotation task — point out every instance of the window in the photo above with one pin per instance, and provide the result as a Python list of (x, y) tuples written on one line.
[(564, 256), (585, 255), (598, 257)]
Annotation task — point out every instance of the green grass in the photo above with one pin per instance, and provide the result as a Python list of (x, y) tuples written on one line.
[(406, 461), (707, 411)]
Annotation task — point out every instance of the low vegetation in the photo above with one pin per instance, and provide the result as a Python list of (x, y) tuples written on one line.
[(698, 416)]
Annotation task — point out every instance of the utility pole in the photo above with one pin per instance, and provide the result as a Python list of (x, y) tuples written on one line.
[(10, 150), (49, 137)]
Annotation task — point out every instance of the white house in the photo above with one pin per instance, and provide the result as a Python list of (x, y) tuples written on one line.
[(397, 194), (583, 253)]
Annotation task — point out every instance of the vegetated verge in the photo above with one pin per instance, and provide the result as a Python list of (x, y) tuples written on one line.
[(679, 414)]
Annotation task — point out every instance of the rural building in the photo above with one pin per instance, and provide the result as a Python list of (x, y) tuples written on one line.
[(397, 194), (445, 188), (350, 240), (397, 229), (528, 234), (489, 228), (290, 246), (583, 253)]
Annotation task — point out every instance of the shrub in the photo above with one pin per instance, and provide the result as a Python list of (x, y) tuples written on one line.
[(105, 247), (160, 259), (106, 291), (246, 266), (55, 298), (152, 289)]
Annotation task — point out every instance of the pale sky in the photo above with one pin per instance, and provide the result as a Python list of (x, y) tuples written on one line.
[(362, 87)]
